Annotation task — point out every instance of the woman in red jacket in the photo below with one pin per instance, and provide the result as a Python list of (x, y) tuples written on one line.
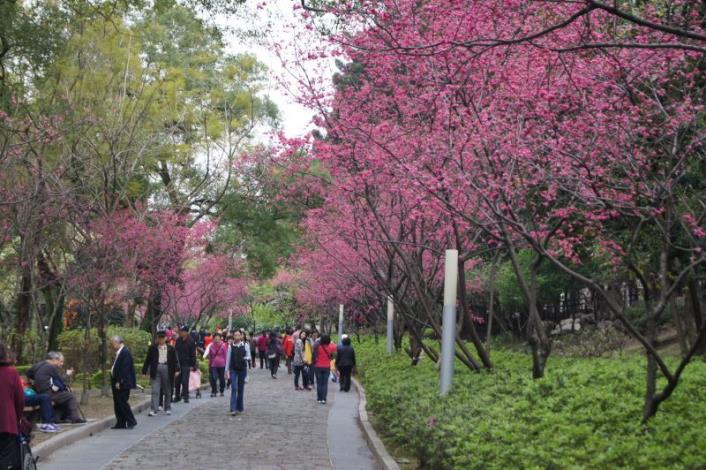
[(12, 398)]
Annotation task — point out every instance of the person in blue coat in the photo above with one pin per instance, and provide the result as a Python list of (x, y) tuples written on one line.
[(122, 380)]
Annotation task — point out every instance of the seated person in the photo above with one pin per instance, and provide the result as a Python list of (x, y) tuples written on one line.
[(43, 401), (47, 379)]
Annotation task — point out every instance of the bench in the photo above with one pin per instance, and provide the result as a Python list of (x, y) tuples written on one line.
[(31, 412)]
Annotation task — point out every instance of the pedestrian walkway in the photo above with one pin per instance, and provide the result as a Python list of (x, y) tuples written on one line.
[(280, 429)]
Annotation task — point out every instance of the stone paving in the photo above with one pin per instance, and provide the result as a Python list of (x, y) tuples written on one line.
[(280, 429)]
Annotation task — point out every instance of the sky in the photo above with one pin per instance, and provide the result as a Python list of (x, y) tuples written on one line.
[(286, 27)]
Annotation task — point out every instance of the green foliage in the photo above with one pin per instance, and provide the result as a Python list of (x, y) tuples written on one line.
[(83, 354), (258, 221), (637, 316), (34, 346), (551, 283), (203, 367), (584, 414), (266, 316)]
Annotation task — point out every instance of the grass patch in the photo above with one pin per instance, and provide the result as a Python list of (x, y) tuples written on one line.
[(585, 413)]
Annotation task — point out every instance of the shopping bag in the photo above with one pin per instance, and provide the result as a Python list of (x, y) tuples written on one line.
[(194, 380)]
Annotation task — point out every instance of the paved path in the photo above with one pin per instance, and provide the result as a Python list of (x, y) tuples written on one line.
[(280, 429)]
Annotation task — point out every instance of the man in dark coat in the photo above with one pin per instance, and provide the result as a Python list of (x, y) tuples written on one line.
[(161, 363), (46, 378), (122, 380), (345, 362), (186, 354)]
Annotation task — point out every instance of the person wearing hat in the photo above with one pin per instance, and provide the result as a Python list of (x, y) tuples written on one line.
[(186, 355), (345, 362), (161, 363)]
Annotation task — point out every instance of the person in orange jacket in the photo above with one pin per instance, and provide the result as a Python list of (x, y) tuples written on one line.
[(288, 348)]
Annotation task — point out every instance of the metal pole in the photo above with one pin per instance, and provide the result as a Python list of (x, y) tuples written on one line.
[(340, 322), (390, 323), (448, 332)]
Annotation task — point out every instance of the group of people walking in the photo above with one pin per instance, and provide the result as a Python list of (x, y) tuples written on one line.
[(311, 359)]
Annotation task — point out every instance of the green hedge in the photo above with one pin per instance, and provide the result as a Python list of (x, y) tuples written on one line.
[(584, 414), (22, 370), (83, 354)]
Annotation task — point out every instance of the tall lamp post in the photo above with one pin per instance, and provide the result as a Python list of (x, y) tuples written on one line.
[(340, 322), (448, 331), (390, 323)]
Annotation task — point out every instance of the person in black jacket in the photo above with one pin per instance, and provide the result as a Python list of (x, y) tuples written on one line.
[(274, 351), (161, 363), (122, 380), (186, 354), (345, 362), (46, 378)]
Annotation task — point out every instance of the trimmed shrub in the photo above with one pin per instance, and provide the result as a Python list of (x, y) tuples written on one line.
[(82, 354)]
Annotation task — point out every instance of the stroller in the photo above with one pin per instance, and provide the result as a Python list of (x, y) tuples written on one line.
[(18, 452), (195, 383), (27, 460)]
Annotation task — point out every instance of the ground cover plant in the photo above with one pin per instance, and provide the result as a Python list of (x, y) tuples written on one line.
[(585, 413)]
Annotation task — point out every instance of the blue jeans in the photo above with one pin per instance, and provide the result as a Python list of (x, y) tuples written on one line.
[(217, 379), (237, 387), (45, 408), (322, 376)]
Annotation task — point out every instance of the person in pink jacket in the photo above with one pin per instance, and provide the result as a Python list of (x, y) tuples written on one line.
[(216, 352)]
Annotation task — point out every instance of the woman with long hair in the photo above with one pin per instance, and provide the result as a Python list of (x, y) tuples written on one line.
[(302, 361), (324, 354)]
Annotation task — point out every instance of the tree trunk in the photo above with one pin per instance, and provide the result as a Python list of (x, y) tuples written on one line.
[(397, 332), (651, 333), (696, 309), (24, 304), (103, 352), (539, 344), (415, 349), (130, 314), (56, 319), (491, 304), (650, 406), (475, 338), (679, 324), (153, 314), (537, 336), (85, 394)]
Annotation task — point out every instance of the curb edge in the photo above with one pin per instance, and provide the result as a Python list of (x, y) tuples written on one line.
[(374, 442), (46, 448)]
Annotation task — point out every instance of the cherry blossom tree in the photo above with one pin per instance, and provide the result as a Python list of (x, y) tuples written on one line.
[(528, 126)]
